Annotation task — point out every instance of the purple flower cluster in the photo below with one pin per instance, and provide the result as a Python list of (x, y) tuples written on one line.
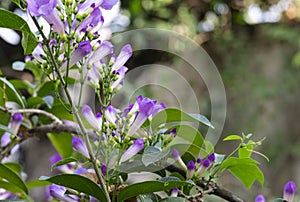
[(194, 168)]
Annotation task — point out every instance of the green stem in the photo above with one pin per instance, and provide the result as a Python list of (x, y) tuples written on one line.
[(76, 114)]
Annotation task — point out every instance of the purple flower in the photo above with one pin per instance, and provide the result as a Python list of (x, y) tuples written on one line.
[(80, 146), (38, 53), (198, 160), (121, 74), (108, 4), (93, 20), (147, 108), (212, 157), (103, 50), (83, 49), (205, 165), (137, 146), (289, 191), (103, 169), (46, 9), (14, 125), (111, 114), (190, 169), (125, 54), (260, 198), (176, 156), (94, 121), (6, 195), (58, 192), (54, 159), (174, 192)]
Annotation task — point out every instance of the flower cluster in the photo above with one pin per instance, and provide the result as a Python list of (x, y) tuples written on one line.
[(76, 42), (194, 168), (289, 191)]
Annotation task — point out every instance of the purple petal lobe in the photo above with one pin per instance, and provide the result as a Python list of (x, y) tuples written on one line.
[(79, 145), (137, 146)]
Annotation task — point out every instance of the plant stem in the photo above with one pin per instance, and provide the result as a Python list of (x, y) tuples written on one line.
[(76, 114)]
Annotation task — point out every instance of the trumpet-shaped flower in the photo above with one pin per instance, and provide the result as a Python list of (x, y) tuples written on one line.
[(260, 198), (147, 108), (93, 20), (83, 49), (80, 146), (58, 192), (205, 165), (14, 125), (111, 114), (176, 156), (125, 54), (135, 148), (174, 192), (94, 120), (190, 169), (289, 191), (47, 10), (103, 50)]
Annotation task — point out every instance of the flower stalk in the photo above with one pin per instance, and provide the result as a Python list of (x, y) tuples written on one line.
[(85, 136)]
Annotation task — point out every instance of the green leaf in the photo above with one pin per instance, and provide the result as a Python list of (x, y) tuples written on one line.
[(154, 154), (79, 183), (13, 21), (174, 199), (63, 162), (246, 150), (12, 178), (148, 187), (11, 89), (62, 143), (188, 138), (35, 69), (170, 115), (245, 169), (151, 197), (17, 168), (33, 102), (11, 187), (233, 137), (37, 183)]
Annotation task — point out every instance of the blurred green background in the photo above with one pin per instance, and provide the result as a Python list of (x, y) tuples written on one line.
[(255, 45)]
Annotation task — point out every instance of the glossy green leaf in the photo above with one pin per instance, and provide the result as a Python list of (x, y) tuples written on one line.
[(174, 199), (245, 169), (170, 115), (37, 183), (246, 150), (148, 187), (10, 90), (11, 187), (151, 197), (62, 143), (233, 137), (17, 168), (12, 178), (63, 162), (154, 154), (12, 21), (79, 183), (34, 102)]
